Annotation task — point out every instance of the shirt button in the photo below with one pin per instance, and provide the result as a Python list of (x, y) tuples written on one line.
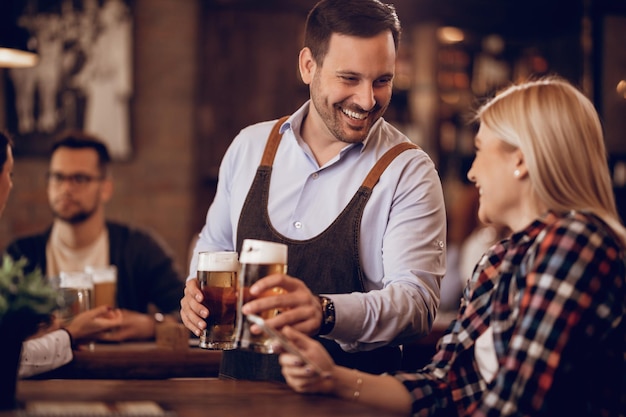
[(298, 225), (315, 175)]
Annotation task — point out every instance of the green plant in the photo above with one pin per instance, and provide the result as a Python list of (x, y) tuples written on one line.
[(26, 299)]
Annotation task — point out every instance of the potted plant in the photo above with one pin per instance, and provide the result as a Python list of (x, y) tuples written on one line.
[(26, 301)]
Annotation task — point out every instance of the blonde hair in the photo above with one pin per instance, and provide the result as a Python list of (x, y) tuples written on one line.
[(558, 131)]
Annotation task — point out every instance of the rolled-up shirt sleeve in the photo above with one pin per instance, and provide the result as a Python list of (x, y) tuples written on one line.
[(404, 225)]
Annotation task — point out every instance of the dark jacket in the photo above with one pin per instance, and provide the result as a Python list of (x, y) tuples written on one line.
[(145, 271)]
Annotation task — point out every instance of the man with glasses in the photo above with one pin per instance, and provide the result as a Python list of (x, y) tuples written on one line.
[(79, 186)]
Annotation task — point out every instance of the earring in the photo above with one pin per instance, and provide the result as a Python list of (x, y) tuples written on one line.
[(516, 173)]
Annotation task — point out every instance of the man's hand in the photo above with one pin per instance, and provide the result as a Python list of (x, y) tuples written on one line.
[(92, 323), (298, 306), (192, 311), (133, 326)]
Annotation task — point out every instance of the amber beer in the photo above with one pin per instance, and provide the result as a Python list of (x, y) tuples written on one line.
[(217, 276), (258, 259), (104, 285)]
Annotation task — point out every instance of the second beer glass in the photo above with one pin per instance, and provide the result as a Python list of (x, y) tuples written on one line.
[(104, 285), (258, 259), (217, 276)]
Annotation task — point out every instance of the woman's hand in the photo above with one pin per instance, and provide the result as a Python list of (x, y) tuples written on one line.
[(300, 376), (89, 324)]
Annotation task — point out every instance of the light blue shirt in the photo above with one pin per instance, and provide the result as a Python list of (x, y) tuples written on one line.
[(403, 229)]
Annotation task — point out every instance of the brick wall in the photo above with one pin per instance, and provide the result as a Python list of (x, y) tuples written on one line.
[(155, 188)]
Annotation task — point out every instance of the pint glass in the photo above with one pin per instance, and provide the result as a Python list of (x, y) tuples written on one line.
[(258, 259), (104, 285), (76, 294), (217, 276)]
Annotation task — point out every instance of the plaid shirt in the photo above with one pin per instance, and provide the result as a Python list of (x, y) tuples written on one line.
[(555, 297)]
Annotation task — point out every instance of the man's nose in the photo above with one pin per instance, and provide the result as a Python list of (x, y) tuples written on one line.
[(365, 97)]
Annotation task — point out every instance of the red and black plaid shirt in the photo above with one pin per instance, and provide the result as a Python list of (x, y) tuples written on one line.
[(555, 298)]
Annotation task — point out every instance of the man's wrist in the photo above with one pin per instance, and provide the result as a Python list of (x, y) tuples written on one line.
[(328, 315)]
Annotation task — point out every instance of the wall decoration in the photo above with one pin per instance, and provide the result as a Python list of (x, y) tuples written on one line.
[(83, 79)]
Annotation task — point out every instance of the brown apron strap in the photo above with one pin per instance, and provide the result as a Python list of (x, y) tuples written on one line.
[(272, 143), (375, 173), (371, 179)]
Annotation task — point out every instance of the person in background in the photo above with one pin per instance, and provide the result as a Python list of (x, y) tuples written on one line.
[(365, 256), (54, 348), (540, 331), (79, 186)]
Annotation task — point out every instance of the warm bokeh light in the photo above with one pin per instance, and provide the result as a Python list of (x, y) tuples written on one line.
[(621, 88), (449, 34)]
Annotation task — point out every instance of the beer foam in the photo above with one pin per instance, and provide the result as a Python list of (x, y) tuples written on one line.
[(75, 279), (100, 275), (263, 252), (218, 261)]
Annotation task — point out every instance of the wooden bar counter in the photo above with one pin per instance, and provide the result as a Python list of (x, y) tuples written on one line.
[(138, 360), (201, 397)]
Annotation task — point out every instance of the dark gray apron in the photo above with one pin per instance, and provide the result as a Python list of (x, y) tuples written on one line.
[(328, 263)]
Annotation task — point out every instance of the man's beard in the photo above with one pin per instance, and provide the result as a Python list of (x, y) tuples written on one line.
[(329, 113), (76, 218)]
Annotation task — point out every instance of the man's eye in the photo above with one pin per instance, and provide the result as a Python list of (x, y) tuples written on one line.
[(81, 179)]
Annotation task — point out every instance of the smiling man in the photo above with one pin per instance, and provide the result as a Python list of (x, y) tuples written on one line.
[(359, 206)]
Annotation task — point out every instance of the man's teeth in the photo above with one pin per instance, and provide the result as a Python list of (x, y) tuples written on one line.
[(354, 115)]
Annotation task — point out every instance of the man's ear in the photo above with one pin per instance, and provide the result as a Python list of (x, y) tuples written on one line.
[(106, 192), (307, 65)]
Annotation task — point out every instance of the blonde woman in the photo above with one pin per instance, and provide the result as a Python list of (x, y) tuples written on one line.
[(541, 329)]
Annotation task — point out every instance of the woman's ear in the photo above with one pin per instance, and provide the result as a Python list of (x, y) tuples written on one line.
[(521, 171)]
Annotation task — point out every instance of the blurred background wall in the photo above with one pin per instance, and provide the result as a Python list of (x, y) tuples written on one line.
[(204, 69)]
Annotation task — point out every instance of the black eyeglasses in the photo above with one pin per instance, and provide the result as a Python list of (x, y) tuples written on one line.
[(79, 180)]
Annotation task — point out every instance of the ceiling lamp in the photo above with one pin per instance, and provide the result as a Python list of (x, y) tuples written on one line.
[(14, 52)]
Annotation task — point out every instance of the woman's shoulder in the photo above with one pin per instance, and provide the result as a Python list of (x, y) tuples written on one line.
[(581, 226)]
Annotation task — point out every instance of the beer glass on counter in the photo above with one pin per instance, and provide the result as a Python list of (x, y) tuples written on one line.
[(76, 294), (217, 276), (104, 285), (258, 259)]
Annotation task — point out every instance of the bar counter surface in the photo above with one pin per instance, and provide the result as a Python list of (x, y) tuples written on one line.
[(138, 360), (200, 397), (163, 360)]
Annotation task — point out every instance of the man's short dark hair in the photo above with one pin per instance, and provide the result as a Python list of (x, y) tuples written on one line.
[(75, 139), (361, 18)]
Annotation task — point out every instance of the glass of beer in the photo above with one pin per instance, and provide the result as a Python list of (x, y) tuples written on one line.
[(76, 294), (104, 285), (217, 276), (258, 259)]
